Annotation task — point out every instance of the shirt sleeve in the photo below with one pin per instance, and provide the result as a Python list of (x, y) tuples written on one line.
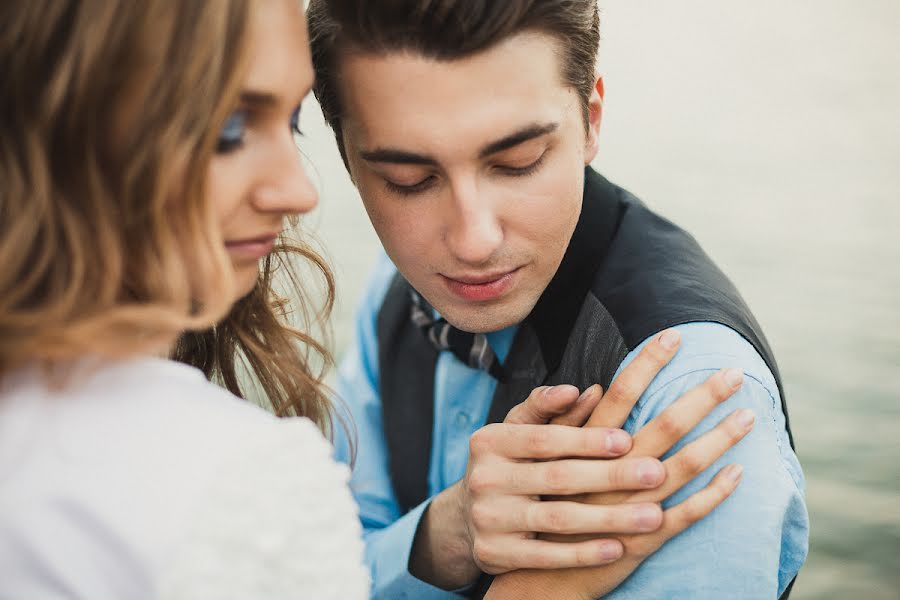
[(277, 521), (388, 533), (752, 545)]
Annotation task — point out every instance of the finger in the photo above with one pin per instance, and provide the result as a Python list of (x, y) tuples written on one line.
[(514, 554), (700, 454), (659, 435), (543, 404), (543, 442), (625, 390), (569, 518), (572, 476), (581, 411), (683, 515)]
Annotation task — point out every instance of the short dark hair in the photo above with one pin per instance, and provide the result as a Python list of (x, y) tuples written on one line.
[(447, 30)]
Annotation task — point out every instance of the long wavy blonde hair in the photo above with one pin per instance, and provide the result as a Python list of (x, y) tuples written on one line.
[(109, 116)]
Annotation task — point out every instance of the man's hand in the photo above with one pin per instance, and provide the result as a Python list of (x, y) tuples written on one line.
[(489, 520), (512, 464)]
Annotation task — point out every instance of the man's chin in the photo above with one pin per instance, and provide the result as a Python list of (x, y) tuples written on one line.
[(485, 319)]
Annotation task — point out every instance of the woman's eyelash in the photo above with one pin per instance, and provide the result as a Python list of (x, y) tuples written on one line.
[(295, 122), (232, 135)]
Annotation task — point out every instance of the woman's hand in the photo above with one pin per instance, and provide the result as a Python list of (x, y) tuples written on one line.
[(653, 440)]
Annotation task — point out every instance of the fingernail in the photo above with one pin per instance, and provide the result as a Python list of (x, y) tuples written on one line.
[(587, 393), (563, 389), (617, 441), (669, 339), (610, 550), (649, 472), (646, 518), (746, 417), (734, 472), (734, 378)]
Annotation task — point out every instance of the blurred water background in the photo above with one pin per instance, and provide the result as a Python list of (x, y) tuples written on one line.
[(770, 130)]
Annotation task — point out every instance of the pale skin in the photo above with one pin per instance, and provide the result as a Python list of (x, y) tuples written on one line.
[(466, 180), (256, 179)]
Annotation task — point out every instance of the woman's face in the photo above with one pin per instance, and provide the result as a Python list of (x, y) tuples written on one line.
[(256, 178)]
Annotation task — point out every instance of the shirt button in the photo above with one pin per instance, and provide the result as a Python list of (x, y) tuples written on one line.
[(462, 420)]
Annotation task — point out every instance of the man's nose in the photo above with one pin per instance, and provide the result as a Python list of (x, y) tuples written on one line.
[(475, 230)]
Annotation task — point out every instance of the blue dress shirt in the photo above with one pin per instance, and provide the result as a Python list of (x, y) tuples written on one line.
[(748, 548)]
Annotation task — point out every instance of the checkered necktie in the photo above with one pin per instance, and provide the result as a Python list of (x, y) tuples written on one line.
[(470, 348)]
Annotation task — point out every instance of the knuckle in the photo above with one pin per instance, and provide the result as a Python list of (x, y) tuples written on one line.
[(479, 481), (536, 395), (654, 355), (668, 426), (733, 430), (620, 473), (640, 547), (482, 441), (482, 517), (556, 478), (625, 391), (484, 554), (539, 441), (691, 463), (718, 389), (555, 520)]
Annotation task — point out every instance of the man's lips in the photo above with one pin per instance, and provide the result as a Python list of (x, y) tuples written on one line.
[(481, 287), (252, 248)]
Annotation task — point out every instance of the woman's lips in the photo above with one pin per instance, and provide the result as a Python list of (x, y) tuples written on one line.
[(481, 289), (253, 249)]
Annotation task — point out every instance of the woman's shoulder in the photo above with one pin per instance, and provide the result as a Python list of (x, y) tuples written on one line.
[(133, 463), (280, 512)]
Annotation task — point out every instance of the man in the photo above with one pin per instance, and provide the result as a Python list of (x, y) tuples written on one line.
[(467, 128)]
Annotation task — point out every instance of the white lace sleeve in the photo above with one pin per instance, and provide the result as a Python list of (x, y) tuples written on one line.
[(279, 522)]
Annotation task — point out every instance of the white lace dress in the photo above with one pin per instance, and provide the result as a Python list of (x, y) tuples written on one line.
[(141, 480)]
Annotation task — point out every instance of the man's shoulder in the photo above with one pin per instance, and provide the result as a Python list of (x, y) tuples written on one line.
[(707, 347)]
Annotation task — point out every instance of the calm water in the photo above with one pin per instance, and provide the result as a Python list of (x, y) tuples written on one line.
[(771, 130)]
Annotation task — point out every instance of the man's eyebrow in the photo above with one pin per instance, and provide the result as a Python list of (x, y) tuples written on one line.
[(402, 157), (519, 137), (399, 157)]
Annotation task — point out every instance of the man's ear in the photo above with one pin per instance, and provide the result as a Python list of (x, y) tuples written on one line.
[(595, 116)]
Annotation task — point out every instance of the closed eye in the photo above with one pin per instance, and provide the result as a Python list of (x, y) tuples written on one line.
[(231, 137), (409, 190), (295, 122), (522, 171)]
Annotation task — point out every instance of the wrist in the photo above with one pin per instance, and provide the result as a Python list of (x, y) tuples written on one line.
[(442, 550)]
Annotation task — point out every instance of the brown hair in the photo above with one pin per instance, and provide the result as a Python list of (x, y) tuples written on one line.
[(110, 113), (447, 30)]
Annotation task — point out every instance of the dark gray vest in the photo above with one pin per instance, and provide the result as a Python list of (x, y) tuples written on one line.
[(627, 274)]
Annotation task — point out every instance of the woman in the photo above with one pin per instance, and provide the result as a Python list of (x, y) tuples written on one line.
[(147, 164)]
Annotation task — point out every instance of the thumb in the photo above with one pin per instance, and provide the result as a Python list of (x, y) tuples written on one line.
[(543, 404)]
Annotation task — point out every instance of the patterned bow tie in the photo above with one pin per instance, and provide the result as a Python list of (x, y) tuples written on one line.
[(470, 348)]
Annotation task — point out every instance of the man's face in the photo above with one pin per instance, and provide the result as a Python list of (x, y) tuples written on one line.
[(471, 171)]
